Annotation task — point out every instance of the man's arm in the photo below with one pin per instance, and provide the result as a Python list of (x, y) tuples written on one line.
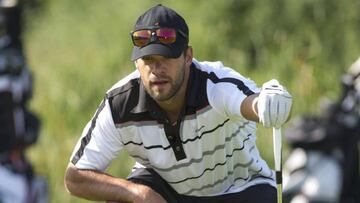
[(249, 108), (98, 186)]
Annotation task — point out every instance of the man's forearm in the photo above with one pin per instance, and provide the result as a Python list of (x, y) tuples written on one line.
[(249, 109), (97, 186)]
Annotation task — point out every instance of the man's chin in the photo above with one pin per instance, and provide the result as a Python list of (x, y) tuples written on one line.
[(161, 97)]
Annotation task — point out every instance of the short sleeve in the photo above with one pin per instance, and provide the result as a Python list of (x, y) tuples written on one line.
[(99, 143), (227, 90)]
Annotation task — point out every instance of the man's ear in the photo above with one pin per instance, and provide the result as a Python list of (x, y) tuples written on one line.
[(189, 56)]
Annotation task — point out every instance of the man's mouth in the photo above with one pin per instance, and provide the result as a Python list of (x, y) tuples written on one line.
[(159, 83)]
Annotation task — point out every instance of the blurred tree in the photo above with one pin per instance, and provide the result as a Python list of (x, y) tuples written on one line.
[(260, 28)]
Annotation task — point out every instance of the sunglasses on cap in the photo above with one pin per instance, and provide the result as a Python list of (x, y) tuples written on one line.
[(165, 36)]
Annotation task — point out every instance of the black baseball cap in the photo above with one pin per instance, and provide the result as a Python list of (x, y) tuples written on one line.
[(161, 16)]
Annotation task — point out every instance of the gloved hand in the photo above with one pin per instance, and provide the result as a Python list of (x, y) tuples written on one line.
[(274, 104)]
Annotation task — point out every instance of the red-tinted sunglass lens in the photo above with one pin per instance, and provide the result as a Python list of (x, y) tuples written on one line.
[(141, 37), (166, 35)]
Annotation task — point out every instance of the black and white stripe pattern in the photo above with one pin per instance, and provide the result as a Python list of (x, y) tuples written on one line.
[(215, 151)]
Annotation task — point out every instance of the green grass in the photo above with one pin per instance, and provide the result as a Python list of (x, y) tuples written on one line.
[(78, 49)]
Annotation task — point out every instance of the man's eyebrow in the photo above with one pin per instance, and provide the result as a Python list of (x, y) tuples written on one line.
[(149, 57)]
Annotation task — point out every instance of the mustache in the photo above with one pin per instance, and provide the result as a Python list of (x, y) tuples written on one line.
[(159, 78)]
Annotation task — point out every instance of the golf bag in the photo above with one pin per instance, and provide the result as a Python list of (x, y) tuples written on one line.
[(19, 127), (323, 164)]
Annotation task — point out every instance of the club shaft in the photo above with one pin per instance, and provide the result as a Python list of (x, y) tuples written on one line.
[(279, 193)]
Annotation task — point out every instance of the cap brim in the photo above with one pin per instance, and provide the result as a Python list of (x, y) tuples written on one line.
[(172, 51)]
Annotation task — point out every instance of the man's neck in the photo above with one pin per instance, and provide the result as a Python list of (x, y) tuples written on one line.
[(173, 106)]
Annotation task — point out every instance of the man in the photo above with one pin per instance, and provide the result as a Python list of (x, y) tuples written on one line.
[(189, 125)]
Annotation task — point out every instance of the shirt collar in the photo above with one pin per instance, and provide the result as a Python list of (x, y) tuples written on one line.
[(143, 101)]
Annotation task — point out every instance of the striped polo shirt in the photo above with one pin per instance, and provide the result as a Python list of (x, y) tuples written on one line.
[(211, 150)]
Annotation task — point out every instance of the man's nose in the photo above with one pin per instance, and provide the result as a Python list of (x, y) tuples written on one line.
[(157, 66)]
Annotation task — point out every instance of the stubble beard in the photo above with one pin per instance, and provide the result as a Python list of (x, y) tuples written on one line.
[(175, 86)]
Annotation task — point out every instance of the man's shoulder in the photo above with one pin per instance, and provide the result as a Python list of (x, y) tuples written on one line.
[(219, 75), (214, 67), (203, 65), (124, 85), (123, 96)]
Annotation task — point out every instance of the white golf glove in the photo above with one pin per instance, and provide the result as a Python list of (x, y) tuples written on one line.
[(274, 104)]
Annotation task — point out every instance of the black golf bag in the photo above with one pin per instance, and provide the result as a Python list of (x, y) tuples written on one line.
[(323, 164), (19, 127)]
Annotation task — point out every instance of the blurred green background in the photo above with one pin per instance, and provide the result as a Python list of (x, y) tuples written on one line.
[(78, 49)]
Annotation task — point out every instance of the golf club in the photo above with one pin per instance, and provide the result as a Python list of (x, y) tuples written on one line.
[(277, 158)]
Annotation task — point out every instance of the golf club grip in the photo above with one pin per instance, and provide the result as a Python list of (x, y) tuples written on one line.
[(277, 154)]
